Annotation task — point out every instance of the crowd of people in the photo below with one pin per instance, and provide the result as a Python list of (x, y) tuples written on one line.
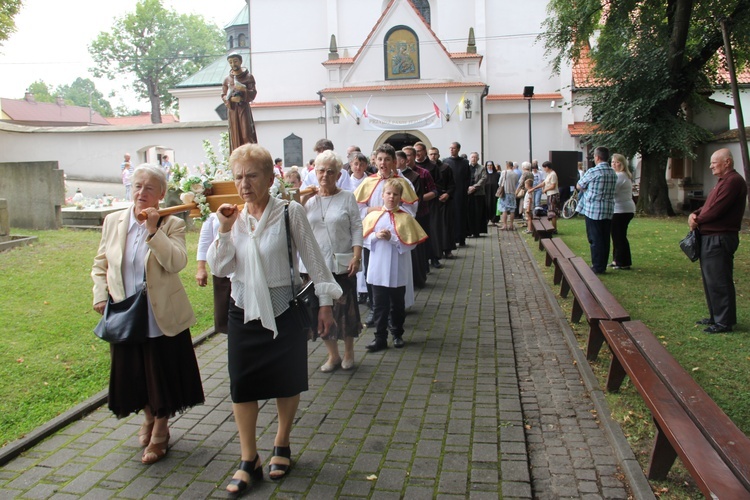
[(369, 228)]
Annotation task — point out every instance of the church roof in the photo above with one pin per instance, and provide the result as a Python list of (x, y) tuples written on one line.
[(213, 74), (241, 19), (30, 112)]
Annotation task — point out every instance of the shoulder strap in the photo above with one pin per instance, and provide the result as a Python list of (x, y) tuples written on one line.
[(289, 245)]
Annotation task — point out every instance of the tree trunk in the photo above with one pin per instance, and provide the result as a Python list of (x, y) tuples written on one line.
[(153, 96), (654, 193)]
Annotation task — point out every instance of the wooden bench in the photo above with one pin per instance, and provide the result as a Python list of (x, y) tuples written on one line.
[(556, 249), (689, 424), (590, 298), (542, 228)]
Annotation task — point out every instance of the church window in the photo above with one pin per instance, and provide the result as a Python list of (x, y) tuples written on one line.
[(241, 40), (423, 6)]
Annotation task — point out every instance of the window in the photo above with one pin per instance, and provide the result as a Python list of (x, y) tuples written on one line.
[(241, 40), (423, 6)]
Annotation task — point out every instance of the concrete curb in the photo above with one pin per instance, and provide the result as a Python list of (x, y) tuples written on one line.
[(636, 478), (12, 450)]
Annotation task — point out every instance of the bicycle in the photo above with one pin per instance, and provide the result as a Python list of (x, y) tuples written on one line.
[(569, 207)]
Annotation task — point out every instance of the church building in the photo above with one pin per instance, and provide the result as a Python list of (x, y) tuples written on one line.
[(367, 72)]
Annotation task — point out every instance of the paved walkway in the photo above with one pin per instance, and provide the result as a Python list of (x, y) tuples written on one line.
[(485, 401)]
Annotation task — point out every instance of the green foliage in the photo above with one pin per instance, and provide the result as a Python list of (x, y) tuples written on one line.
[(158, 47), (50, 359), (651, 58), (82, 92), (8, 10)]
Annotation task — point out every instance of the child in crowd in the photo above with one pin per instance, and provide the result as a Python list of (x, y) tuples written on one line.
[(528, 204), (293, 177), (390, 235)]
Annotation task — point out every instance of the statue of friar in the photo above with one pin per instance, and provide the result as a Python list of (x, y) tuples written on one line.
[(237, 92)]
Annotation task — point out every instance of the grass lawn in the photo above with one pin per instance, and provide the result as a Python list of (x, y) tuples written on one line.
[(50, 359), (665, 291)]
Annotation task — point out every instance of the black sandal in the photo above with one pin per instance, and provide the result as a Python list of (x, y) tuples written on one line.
[(283, 452), (254, 470)]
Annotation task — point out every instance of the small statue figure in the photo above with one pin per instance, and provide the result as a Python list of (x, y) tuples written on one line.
[(237, 92)]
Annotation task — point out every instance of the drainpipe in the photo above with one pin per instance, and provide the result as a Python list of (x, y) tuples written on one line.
[(485, 92)]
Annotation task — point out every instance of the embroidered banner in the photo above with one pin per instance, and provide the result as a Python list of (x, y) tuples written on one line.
[(420, 122)]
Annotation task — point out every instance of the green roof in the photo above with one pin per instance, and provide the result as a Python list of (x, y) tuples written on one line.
[(213, 74), (241, 19)]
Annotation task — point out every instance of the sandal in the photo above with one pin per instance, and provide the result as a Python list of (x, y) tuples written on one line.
[(253, 468), (144, 433), (280, 452), (156, 449)]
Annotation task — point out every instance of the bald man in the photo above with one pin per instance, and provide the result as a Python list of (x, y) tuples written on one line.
[(719, 221)]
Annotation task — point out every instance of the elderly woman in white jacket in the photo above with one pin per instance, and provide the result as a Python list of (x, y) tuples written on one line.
[(267, 348)]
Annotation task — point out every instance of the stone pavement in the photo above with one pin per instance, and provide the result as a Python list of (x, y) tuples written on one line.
[(485, 401)]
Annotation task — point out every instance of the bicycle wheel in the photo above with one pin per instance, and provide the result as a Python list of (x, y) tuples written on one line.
[(569, 208)]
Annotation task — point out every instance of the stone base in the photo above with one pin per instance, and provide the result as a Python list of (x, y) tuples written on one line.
[(89, 216), (16, 241)]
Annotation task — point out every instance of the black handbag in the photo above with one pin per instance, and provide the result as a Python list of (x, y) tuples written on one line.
[(691, 245), (125, 321), (304, 304)]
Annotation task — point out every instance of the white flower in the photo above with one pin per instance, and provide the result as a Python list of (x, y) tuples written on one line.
[(188, 197)]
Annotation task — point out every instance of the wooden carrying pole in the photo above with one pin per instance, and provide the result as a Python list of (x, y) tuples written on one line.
[(169, 211)]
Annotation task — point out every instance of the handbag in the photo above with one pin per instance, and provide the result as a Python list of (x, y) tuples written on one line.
[(520, 192), (691, 245), (341, 262), (304, 304), (126, 321), (501, 188)]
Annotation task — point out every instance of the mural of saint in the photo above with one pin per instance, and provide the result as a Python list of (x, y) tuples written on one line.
[(401, 62)]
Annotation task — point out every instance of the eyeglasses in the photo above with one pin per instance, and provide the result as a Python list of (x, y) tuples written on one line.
[(326, 171)]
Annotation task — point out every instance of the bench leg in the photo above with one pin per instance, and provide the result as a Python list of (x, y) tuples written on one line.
[(662, 456), (596, 339), (564, 287), (577, 312), (616, 375), (548, 260), (557, 277)]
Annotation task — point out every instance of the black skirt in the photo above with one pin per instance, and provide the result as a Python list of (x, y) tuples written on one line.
[(161, 373), (261, 367)]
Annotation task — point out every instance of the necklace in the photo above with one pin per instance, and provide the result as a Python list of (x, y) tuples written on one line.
[(323, 212)]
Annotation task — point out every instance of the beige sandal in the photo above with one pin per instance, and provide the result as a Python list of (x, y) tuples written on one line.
[(144, 433)]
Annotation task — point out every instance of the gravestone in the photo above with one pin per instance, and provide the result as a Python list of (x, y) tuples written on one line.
[(4, 221), (35, 192)]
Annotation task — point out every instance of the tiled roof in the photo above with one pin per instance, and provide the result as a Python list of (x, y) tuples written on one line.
[(465, 55), (583, 71), (49, 113), (400, 86), (340, 60), (577, 129), (213, 74), (520, 97), (142, 119)]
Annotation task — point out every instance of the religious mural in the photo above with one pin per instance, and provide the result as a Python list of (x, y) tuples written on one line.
[(401, 54)]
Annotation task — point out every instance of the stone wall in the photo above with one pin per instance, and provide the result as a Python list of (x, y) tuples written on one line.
[(35, 192)]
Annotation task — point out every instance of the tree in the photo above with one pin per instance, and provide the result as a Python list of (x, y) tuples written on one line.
[(82, 92), (159, 47), (655, 62), (8, 10)]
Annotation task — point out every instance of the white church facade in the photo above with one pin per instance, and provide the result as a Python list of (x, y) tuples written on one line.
[(367, 72)]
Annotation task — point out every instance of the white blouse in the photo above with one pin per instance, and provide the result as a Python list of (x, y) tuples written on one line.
[(336, 224), (256, 253), (390, 260)]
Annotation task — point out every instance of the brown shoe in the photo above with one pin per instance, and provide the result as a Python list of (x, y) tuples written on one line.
[(156, 450)]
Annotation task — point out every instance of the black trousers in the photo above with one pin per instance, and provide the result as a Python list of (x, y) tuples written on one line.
[(620, 244), (598, 232), (717, 268), (389, 301)]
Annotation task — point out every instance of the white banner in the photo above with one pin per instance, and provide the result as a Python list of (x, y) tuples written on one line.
[(420, 122)]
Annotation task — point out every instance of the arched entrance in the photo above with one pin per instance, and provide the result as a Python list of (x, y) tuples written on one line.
[(400, 139)]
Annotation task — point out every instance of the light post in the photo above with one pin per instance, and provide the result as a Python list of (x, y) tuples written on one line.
[(325, 111), (528, 94)]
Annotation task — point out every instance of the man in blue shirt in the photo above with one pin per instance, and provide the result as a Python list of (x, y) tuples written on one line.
[(598, 206)]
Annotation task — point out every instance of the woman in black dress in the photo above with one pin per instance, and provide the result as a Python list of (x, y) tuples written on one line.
[(267, 346), (490, 189)]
